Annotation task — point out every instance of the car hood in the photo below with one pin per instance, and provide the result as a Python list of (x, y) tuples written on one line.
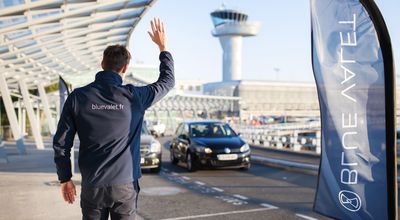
[(219, 142), (146, 139)]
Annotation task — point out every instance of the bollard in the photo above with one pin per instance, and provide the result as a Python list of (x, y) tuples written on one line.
[(278, 143), (294, 142)]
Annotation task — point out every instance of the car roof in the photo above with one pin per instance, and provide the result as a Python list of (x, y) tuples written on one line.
[(203, 121)]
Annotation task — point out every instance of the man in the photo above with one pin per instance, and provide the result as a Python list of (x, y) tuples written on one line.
[(108, 117)]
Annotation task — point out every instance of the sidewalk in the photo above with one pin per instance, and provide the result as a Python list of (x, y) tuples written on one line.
[(29, 188)]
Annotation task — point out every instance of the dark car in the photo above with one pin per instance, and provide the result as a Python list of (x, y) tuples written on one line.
[(150, 150), (209, 143)]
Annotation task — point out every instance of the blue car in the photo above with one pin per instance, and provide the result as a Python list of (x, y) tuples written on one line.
[(209, 144)]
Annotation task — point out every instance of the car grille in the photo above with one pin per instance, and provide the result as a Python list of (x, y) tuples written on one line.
[(222, 151), (225, 163)]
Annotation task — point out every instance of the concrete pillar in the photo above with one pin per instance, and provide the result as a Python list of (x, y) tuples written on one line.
[(232, 57), (20, 114), (38, 117), (46, 109), (23, 123), (31, 114), (58, 111), (12, 117)]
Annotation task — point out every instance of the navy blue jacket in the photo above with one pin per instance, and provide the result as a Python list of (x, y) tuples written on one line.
[(108, 117)]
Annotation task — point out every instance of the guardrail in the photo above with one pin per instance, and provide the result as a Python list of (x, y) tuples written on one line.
[(295, 137)]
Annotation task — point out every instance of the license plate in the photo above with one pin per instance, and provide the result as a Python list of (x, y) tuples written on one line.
[(141, 160), (227, 156)]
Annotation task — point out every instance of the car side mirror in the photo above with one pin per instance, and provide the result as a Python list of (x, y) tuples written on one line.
[(239, 134)]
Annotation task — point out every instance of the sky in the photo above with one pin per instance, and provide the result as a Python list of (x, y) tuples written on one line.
[(280, 52)]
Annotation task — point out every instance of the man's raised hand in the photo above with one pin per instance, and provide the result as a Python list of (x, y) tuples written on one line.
[(157, 34)]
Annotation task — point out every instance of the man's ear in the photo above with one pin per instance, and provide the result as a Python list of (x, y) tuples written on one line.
[(125, 68), (102, 65)]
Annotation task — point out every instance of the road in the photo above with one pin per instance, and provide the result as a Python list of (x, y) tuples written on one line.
[(259, 193)]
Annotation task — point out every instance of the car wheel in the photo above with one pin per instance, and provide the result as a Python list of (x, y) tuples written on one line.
[(156, 170), (172, 158), (190, 163)]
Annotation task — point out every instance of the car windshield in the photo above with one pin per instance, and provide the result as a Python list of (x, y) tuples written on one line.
[(211, 130)]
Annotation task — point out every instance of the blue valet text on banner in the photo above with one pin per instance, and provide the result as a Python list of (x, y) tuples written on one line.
[(354, 73)]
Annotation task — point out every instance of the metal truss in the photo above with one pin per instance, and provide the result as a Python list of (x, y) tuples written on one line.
[(204, 103), (42, 40)]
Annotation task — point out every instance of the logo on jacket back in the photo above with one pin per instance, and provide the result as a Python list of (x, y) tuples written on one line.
[(107, 106)]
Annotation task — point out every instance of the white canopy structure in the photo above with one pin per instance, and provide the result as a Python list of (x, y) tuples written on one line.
[(41, 40)]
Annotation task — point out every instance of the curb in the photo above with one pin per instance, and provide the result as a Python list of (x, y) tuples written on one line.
[(283, 163), (287, 164)]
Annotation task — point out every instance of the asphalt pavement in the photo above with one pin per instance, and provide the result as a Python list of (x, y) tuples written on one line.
[(259, 193), (29, 190)]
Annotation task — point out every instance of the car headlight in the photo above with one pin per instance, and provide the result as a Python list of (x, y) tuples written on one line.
[(206, 150), (155, 147), (245, 148)]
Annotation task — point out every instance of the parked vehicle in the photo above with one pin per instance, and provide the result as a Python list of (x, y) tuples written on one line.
[(307, 139), (209, 143), (150, 150), (157, 128)]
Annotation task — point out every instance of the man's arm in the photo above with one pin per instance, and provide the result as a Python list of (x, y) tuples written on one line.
[(152, 93), (62, 143)]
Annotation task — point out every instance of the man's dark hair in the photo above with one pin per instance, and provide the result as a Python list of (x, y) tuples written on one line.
[(115, 57)]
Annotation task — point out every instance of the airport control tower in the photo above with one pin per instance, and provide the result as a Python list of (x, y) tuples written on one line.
[(230, 27)]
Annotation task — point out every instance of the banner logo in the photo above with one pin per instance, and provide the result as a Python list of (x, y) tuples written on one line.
[(350, 200)]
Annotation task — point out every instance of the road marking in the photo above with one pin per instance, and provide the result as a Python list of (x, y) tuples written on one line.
[(186, 178), (217, 189), (305, 217), (165, 169), (200, 183), (240, 197), (175, 174), (266, 205), (218, 214)]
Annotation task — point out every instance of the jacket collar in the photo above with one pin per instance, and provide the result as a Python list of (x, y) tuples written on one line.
[(109, 77)]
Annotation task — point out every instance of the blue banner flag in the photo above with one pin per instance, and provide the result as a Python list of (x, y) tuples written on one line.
[(354, 72)]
